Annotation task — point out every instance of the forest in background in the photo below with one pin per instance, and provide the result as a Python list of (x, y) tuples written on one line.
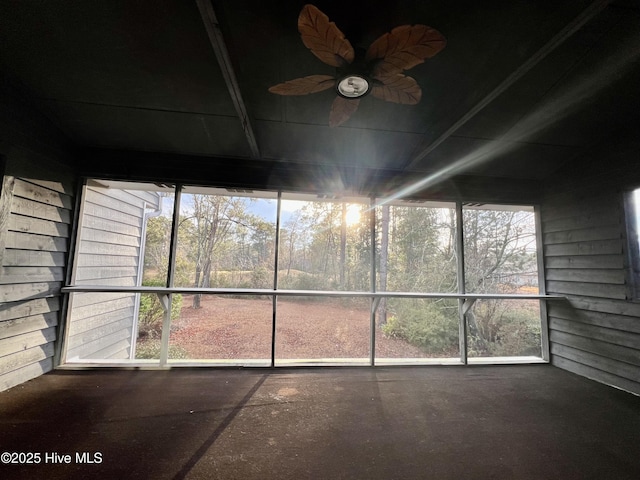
[(326, 245)]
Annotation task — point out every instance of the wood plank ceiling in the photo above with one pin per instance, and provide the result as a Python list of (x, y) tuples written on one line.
[(178, 90)]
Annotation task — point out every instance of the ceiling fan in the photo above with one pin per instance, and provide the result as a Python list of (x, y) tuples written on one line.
[(379, 72)]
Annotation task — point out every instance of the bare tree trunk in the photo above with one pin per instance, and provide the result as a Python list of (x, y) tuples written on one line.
[(384, 259), (206, 274), (206, 282), (343, 245), (476, 333), (290, 252), (196, 301), (196, 298)]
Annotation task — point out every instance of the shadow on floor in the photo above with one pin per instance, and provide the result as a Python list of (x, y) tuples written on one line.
[(499, 422)]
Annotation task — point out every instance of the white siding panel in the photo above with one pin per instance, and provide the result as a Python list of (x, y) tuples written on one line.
[(101, 325), (90, 350), (26, 241), (596, 333), (35, 217), (26, 291), (20, 223), (24, 357), (31, 274), (26, 308), (25, 373), (105, 225), (24, 341), (42, 194), (15, 258), (111, 215), (25, 207), (33, 323)]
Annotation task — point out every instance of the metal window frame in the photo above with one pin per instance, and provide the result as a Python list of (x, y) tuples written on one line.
[(632, 244), (165, 294)]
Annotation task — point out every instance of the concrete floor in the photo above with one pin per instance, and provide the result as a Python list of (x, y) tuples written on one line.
[(500, 422)]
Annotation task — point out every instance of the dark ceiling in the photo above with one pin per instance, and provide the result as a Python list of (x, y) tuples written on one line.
[(522, 88)]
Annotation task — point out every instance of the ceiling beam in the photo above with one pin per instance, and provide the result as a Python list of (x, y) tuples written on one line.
[(585, 16), (222, 54)]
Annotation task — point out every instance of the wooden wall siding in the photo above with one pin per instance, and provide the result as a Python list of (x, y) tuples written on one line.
[(102, 326), (35, 215), (596, 333), (32, 269)]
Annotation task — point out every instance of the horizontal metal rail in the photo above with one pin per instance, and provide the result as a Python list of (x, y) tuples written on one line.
[(164, 295), (305, 293), (468, 298)]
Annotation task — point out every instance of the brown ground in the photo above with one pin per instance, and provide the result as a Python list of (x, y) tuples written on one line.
[(236, 328)]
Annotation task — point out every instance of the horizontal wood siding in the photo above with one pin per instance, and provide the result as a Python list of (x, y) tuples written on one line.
[(596, 333), (102, 326), (38, 182), (35, 240)]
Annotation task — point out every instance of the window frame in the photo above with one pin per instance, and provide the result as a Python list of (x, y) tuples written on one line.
[(166, 293), (632, 243)]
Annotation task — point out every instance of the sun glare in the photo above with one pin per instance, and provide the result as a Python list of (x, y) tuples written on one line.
[(353, 214)]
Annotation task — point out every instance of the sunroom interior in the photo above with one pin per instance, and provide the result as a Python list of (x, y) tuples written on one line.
[(197, 184)]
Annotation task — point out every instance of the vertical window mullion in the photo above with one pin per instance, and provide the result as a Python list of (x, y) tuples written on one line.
[(171, 269), (461, 282), (276, 261), (632, 232), (542, 287), (72, 265), (372, 227)]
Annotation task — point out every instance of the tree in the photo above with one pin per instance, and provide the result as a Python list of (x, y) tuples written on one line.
[(419, 257), (343, 246), (499, 248), (212, 220), (384, 262), (158, 239), (496, 243), (157, 245), (422, 249)]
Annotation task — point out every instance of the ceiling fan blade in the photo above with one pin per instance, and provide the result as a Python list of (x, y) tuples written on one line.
[(341, 110), (397, 89), (323, 38), (304, 85), (402, 48)]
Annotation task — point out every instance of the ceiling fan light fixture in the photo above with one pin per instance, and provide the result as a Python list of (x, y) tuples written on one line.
[(353, 86), (383, 62)]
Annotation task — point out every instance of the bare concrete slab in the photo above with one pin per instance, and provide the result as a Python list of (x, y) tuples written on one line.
[(498, 422)]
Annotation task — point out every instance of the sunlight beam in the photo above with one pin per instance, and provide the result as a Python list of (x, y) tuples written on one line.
[(554, 109)]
